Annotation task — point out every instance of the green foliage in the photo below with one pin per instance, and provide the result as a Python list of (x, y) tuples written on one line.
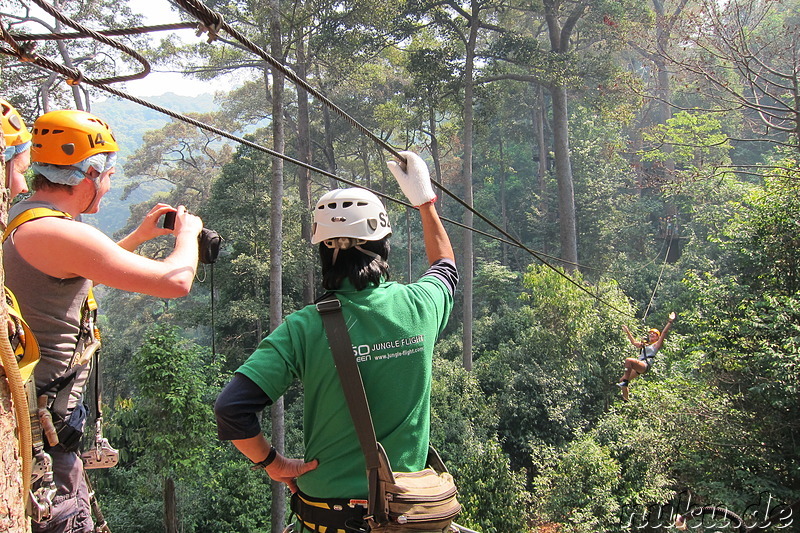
[(765, 238), (493, 495), (463, 431), (166, 429), (694, 141), (549, 376), (579, 490)]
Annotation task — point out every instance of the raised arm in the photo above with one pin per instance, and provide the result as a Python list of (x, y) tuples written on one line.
[(415, 182), (663, 335), (66, 248), (631, 338)]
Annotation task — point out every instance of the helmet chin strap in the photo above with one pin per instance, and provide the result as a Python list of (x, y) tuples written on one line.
[(96, 183), (345, 243)]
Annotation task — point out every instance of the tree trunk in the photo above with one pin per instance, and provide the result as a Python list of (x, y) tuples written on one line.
[(276, 252), (566, 193), (539, 117), (327, 147), (466, 266), (303, 174), (560, 35), (170, 507), (12, 503)]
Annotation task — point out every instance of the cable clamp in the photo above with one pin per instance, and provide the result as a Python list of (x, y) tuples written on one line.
[(76, 80), (212, 29), (26, 51)]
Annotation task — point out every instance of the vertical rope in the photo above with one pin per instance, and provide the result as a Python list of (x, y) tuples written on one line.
[(658, 282)]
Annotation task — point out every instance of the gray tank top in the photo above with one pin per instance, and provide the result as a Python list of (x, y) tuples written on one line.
[(52, 308)]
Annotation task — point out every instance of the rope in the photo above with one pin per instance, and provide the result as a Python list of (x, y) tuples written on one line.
[(98, 37), (213, 326), (658, 282), (21, 409), (137, 30)]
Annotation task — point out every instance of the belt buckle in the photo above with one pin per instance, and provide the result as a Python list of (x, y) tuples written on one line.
[(329, 306)]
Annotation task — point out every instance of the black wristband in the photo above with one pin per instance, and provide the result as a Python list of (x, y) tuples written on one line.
[(273, 453)]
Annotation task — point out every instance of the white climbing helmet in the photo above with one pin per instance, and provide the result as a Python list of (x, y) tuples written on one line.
[(354, 213)]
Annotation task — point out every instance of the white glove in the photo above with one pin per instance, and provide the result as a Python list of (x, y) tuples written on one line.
[(415, 181)]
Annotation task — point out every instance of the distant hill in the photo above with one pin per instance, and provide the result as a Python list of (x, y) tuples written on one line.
[(130, 121)]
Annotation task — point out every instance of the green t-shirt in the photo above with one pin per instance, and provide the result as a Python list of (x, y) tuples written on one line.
[(393, 328)]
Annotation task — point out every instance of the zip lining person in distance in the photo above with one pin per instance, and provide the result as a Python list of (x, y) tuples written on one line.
[(648, 348)]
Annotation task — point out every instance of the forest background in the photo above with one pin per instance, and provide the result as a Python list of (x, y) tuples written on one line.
[(640, 156)]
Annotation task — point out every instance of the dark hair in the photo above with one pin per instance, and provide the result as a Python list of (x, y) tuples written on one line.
[(361, 269), (40, 183)]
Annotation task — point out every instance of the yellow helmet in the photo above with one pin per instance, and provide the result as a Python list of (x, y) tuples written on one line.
[(654, 330), (67, 136), (14, 128)]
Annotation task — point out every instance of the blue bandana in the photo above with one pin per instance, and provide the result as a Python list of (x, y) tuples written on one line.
[(74, 174), (11, 151)]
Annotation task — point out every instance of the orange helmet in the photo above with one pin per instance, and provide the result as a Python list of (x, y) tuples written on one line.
[(14, 128), (67, 136)]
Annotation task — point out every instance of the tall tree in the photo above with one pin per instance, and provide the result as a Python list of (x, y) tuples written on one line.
[(466, 24), (276, 250), (742, 56)]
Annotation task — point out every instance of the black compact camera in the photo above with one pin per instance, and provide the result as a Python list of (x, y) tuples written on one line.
[(208, 241)]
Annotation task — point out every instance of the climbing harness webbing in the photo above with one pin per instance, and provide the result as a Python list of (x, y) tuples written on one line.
[(332, 515), (32, 214)]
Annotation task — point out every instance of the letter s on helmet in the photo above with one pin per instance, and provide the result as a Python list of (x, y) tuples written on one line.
[(355, 213), (67, 136), (14, 128)]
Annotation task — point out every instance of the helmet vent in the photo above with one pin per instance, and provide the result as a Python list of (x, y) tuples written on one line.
[(332, 205), (57, 131), (347, 204), (361, 204)]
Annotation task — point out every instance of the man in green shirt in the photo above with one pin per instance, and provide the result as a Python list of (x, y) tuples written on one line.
[(393, 328)]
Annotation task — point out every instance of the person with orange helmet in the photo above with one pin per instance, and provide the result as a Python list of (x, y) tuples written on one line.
[(51, 262), (648, 348), (17, 153)]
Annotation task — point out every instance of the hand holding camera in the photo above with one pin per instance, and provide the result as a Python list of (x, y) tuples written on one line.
[(208, 240)]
